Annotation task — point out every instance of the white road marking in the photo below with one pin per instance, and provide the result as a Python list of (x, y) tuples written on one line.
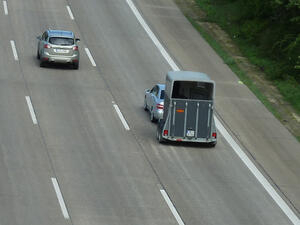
[(5, 7), (152, 36), (171, 206), (60, 198), (14, 50), (121, 117), (31, 110), (70, 12), (90, 56), (259, 176)]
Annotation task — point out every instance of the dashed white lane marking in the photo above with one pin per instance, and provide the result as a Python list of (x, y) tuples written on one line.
[(121, 117), (14, 50), (5, 7), (152, 36), (70, 12), (60, 198), (171, 206), (268, 187), (31, 110), (90, 56)]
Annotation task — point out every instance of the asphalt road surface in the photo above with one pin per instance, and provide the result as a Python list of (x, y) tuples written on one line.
[(66, 157)]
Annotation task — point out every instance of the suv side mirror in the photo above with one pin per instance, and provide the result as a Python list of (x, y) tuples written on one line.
[(77, 40), (39, 37)]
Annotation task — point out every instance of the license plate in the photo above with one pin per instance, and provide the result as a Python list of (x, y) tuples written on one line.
[(190, 133), (61, 51)]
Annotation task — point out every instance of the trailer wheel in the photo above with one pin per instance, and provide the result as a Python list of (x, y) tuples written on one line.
[(212, 144), (159, 137)]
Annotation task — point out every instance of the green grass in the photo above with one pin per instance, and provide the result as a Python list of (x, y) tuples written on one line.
[(288, 87), (226, 15), (234, 67), (290, 91)]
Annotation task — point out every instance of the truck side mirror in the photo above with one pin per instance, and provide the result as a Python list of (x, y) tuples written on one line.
[(77, 40)]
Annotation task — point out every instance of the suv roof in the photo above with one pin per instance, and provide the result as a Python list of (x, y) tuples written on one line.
[(60, 33)]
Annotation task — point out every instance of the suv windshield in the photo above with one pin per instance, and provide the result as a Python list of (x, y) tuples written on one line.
[(61, 41)]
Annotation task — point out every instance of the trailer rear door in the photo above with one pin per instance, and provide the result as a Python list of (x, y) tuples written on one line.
[(190, 118)]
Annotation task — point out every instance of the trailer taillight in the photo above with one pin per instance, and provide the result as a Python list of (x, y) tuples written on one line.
[(214, 134), (166, 132)]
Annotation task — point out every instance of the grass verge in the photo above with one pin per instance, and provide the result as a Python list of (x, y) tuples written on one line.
[(226, 14), (235, 68)]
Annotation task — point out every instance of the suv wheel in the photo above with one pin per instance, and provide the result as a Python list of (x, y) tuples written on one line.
[(145, 105), (152, 118), (42, 64), (212, 144), (76, 66), (38, 55)]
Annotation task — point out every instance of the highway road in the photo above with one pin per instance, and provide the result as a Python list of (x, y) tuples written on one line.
[(77, 148)]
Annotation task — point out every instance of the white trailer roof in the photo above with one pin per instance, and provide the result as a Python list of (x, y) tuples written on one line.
[(188, 76)]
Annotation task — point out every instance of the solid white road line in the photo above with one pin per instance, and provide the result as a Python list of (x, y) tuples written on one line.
[(70, 12), (90, 56), (14, 50), (5, 7), (31, 110), (171, 206), (152, 36), (121, 117), (259, 176), (268, 187), (60, 198)]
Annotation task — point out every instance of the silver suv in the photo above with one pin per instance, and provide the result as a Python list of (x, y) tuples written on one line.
[(58, 46)]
